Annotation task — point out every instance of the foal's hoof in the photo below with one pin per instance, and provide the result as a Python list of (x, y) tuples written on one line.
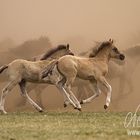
[(65, 105), (3, 112), (78, 109), (82, 102), (41, 111), (105, 106)]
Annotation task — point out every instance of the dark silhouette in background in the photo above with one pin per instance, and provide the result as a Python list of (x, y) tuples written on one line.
[(120, 74)]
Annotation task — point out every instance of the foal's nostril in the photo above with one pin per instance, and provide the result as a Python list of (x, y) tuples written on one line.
[(122, 57), (71, 53)]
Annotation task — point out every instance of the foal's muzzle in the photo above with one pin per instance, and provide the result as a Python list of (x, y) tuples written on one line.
[(122, 57)]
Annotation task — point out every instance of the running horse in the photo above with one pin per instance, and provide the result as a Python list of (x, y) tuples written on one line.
[(21, 71), (93, 69), (53, 53)]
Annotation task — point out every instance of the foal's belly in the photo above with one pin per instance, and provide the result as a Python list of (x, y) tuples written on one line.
[(31, 78), (85, 75), (36, 79), (31, 74)]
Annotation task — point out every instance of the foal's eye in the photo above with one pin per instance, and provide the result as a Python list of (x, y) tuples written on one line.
[(115, 49)]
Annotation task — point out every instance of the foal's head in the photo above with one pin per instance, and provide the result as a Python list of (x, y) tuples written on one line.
[(113, 51)]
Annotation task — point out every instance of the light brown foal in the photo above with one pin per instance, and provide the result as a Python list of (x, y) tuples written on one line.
[(21, 71), (93, 69)]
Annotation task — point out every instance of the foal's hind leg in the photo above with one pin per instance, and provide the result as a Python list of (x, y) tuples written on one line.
[(38, 90), (67, 86), (72, 96), (5, 91), (96, 90), (24, 93), (66, 95), (61, 87)]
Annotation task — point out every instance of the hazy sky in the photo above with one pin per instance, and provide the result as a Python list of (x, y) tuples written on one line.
[(64, 20)]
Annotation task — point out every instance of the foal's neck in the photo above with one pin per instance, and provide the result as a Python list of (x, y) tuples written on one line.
[(104, 54)]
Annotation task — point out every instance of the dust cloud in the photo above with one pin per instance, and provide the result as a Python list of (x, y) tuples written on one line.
[(29, 27)]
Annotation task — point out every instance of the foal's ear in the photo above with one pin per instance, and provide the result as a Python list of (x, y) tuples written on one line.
[(111, 41), (67, 46)]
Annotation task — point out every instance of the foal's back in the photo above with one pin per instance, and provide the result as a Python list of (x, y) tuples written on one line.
[(80, 66), (24, 69)]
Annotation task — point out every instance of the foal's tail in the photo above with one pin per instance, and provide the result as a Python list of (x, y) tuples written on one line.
[(2, 68), (48, 69)]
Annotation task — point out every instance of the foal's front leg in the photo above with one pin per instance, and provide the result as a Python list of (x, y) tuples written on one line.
[(95, 89), (24, 93), (109, 90)]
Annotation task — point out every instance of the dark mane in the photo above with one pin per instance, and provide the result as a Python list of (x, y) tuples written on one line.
[(52, 51), (99, 46)]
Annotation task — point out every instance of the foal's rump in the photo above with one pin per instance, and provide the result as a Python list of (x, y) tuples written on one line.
[(48, 69), (21, 69)]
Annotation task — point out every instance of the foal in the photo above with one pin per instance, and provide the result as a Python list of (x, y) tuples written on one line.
[(93, 69), (51, 54), (22, 71)]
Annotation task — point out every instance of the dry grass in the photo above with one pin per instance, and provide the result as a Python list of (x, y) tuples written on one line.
[(63, 125)]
